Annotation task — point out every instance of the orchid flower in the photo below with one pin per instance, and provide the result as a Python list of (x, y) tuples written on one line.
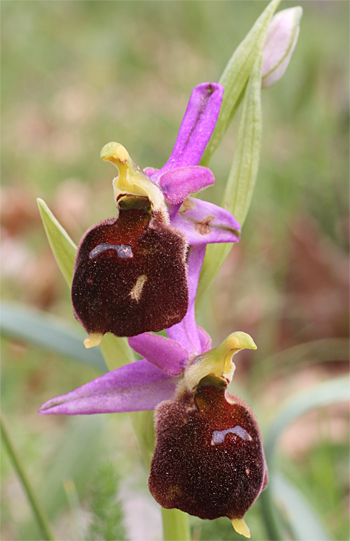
[(130, 272)]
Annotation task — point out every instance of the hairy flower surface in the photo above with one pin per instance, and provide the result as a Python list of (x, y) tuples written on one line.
[(208, 460)]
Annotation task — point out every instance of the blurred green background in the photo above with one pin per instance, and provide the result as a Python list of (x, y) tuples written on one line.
[(78, 74)]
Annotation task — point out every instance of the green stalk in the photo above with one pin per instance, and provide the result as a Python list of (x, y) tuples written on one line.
[(176, 525), (37, 509)]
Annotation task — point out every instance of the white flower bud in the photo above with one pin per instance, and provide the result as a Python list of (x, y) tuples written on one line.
[(281, 39)]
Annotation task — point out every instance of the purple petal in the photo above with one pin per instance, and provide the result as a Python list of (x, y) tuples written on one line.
[(179, 183), (134, 387), (204, 339), (196, 128), (204, 223), (163, 352), (186, 332)]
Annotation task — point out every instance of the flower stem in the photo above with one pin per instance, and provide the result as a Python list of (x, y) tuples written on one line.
[(176, 525), (38, 511)]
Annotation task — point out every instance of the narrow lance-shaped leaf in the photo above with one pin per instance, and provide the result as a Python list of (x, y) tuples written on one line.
[(236, 75), (242, 177), (62, 246), (330, 392), (115, 351)]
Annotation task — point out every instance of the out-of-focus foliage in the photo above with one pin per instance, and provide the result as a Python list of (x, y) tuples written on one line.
[(107, 512), (76, 75)]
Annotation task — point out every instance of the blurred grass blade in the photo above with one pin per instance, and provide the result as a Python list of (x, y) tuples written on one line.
[(242, 177), (236, 75), (106, 510), (62, 246), (35, 504), (49, 332), (116, 351), (324, 394), (296, 509), (75, 459)]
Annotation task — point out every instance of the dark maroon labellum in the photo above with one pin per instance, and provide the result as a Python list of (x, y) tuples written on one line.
[(130, 275), (209, 459)]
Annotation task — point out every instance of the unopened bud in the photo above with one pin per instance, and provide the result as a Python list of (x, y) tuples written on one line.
[(281, 39)]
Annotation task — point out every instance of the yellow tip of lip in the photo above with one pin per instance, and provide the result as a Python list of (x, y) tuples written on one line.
[(240, 526), (115, 152), (94, 339), (240, 340)]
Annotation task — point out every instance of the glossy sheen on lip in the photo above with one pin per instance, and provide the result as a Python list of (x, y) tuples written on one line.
[(191, 473), (130, 275)]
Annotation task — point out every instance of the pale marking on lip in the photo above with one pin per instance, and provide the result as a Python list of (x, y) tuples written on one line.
[(136, 291), (218, 436), (124, 251)]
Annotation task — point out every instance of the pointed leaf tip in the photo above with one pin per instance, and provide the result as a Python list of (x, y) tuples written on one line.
[(62, 246)]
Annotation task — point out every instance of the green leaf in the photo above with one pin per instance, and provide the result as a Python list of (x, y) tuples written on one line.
[(244, 170), (236, 75), (297, 511), (62, 246), (49, 332), (330, 392), (242, 177)]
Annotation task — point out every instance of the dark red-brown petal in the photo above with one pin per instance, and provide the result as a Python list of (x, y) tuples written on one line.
[(208, 459), (130, 276)]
